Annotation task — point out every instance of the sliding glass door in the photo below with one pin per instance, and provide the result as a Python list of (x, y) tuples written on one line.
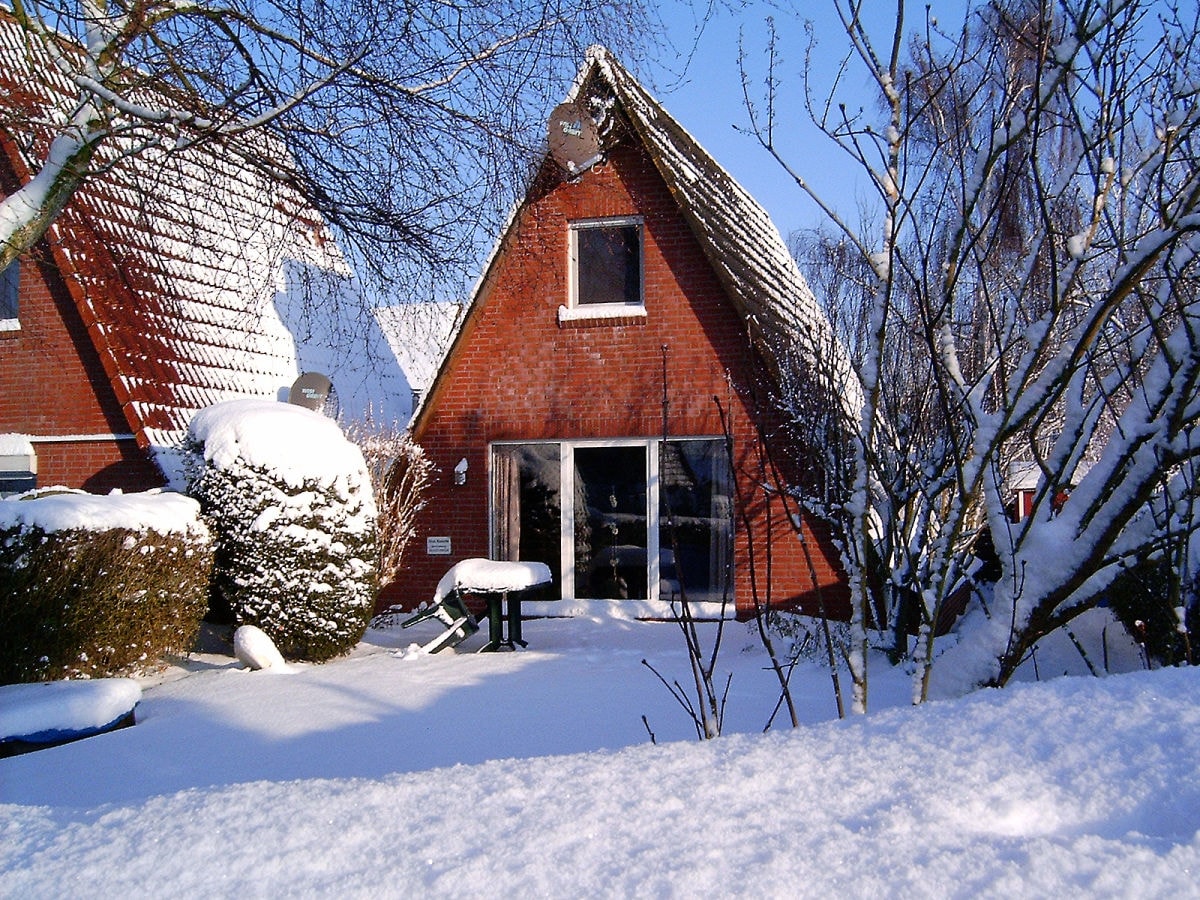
[(611, 489), (526, 516), (619, 520), (695, 521)]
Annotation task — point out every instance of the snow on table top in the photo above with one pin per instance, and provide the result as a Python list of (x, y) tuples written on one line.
[(47, 711), (492, 576)]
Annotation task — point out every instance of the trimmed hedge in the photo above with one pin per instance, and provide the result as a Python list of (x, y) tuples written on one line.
[(82, 602)]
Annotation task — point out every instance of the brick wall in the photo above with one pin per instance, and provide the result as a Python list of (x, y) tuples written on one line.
[(518, 374), (52, 386)]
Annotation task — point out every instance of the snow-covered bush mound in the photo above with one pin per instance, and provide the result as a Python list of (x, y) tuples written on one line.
[(252, 646), (290, 502), (98, 585)]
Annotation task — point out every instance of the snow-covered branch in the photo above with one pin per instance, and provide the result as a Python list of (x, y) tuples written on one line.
[(1033, 324), (402, 123)]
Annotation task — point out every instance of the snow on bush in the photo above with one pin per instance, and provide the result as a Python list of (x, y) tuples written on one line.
[(400, 476), (98, 585), (290, 501)]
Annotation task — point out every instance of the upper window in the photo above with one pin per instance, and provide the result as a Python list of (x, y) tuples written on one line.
[(606, 257), (10, 280)]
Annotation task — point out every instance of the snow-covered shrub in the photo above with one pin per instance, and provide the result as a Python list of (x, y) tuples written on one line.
[(290, 503), (98, 585)]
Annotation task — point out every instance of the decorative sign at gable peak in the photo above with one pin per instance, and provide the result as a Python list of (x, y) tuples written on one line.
[(573, 138)]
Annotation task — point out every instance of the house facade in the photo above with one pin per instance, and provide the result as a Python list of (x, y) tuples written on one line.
[(57, 395), (603, 405)]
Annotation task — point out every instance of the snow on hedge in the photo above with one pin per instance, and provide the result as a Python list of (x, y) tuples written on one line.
[(95, 585), (67, 510), (295, 443)]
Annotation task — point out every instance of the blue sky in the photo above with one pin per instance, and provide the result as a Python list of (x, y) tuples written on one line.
[(709, 100)]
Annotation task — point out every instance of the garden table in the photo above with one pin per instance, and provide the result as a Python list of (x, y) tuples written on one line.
[(502, 585)]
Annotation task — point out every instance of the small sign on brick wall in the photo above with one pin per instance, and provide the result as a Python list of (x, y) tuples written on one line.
[(437, 546)]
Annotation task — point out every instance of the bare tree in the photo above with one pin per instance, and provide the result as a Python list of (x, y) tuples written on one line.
[(405, 124), (400, 475), (1031, 304)]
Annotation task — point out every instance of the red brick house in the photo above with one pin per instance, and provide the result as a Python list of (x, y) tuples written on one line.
[(174, 279), (637, 290)]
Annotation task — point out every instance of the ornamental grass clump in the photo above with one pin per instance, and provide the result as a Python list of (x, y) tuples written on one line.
[(94, 586), (290, 503)]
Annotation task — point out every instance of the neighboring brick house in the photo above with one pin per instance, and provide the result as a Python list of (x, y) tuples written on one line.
[(636, 289), (171, 281)]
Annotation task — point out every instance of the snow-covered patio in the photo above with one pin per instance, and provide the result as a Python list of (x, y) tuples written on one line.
[(391, 773)]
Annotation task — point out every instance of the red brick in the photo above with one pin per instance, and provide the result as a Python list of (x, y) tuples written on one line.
[(517, 374), (52, 385)]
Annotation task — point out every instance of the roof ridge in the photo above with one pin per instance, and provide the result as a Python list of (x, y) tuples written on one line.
[(740, 239), (746, 251)]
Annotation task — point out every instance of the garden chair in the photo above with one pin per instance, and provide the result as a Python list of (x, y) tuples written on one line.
[(452, 612)]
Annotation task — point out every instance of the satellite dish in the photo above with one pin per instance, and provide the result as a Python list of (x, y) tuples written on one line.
[(573, 138), (312, 390)]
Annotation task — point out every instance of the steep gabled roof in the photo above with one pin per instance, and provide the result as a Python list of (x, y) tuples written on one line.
[(736, 234), (179, 260)]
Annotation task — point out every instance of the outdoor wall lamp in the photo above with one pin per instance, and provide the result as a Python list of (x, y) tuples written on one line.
[(460, 471)]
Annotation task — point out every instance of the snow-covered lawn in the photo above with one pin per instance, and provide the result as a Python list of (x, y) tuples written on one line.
[(395, 774)]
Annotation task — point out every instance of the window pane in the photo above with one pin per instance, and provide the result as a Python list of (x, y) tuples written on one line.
[(695, 497), (10, 280), (525, 505), (610, 523), (608, 265)]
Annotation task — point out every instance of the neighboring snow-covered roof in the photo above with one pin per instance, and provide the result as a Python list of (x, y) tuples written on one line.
[(418, 334), (188, 265)]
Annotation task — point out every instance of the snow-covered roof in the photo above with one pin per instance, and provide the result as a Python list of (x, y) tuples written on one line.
[(736, 234), (418, 334), (184, 262)]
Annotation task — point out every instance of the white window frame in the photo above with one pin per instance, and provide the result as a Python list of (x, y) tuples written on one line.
[(574, 310), (567, 509)]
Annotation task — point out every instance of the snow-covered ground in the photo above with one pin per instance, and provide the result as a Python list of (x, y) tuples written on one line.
[(394, 774)]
